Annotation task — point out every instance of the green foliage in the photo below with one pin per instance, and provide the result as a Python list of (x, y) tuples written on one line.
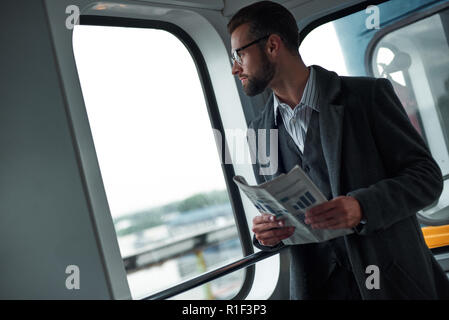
[(139, 221), (202, 200)]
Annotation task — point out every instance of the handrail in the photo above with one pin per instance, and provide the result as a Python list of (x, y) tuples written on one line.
[(214, 274), (170, 248)]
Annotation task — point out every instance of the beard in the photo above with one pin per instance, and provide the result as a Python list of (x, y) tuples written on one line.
[(258, 83)]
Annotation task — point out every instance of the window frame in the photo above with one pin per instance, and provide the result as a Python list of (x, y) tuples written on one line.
[(216, 122), (408, 20)]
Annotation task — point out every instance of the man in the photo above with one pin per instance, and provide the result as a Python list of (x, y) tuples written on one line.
[(354, 140)]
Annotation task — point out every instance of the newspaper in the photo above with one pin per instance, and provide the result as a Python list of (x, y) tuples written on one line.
[(287, 197)]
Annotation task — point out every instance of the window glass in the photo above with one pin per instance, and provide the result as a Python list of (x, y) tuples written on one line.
[(316, 46), (415, 58), (158, 159)]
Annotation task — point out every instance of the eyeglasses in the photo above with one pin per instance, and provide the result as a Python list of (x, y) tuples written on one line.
[(235, 53)]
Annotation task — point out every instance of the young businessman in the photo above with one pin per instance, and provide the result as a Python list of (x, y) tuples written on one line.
[(354, 140)]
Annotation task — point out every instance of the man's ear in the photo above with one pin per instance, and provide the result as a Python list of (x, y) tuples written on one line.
[(273, 45)]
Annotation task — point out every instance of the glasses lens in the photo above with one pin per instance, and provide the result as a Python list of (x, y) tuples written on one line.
[(236, 57)]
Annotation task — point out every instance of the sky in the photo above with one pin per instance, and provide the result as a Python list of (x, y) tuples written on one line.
[(147, 113)]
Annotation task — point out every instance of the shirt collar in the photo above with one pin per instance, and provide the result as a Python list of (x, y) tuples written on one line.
[(309, 97)]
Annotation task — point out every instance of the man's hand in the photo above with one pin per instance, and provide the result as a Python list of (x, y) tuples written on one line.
[(338, 213), (269, 231)]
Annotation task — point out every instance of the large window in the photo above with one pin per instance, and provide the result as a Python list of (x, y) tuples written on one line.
[(158, 159), (415, 58), (407, 43)]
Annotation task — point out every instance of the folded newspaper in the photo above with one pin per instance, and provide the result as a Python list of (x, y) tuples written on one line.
[(287, 197)]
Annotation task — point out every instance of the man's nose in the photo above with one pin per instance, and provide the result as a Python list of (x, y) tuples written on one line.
[(236, 68)]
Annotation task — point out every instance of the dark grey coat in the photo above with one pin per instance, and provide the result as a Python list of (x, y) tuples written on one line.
[(374, 154)]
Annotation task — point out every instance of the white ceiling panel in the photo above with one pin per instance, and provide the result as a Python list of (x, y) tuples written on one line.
[(300, 8)]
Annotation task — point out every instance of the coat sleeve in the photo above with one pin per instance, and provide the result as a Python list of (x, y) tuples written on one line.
[(257, 244), (414, 179)]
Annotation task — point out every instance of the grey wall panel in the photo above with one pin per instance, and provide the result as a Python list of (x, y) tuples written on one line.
[(45, 224)]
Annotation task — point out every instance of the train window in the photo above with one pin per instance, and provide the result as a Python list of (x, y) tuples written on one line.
[(415, 58), (408, 44), (316, 46), (158, 159)]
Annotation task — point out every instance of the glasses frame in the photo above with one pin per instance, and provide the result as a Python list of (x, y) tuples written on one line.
[(235, 57)]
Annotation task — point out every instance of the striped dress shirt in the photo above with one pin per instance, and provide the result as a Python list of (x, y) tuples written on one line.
[(297, 120)]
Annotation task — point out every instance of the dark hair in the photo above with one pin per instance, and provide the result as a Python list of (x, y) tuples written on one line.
[(266, 18)]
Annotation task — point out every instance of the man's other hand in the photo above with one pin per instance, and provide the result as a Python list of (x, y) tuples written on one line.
[(338, 213), (269, 231)]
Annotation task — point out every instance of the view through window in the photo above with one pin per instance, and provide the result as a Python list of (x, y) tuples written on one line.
[(415, 58), (158, 159)]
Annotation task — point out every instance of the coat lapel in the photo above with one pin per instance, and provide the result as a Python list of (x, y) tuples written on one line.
[(331, 124)]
